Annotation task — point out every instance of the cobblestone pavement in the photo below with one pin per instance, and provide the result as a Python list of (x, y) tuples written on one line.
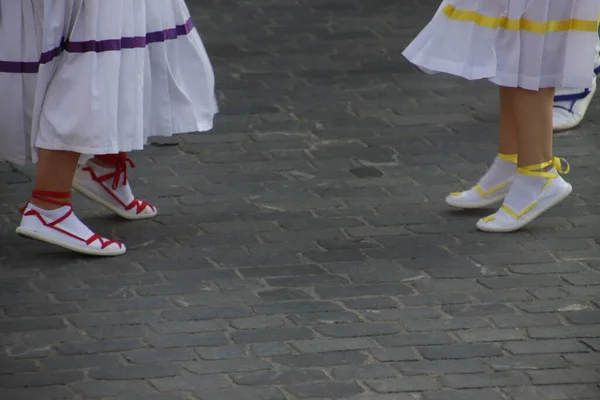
[(303, 249)]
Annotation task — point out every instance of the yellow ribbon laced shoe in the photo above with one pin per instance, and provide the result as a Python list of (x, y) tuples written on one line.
[(555, 190), (477, 196)]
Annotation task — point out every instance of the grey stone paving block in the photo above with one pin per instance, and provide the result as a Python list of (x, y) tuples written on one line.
[(408, 384), (275, 378), (564, 376), (272, 335), (473, 381), (17, 366), (329, 317), (583, 359), (98, 346), (57, 363), (37, 379), (403, 315), (394, 354), (460, 351), (491, 335), (524, 321), (242, 393), (441, 367), (372, 303), (226, 366), (187, 340), (332, 292), (356, 330), (555, 392), (129, 373), (326, 345), (101, 389), (469, 394), (31, 324), (415, 339), (322, 359), (369, 371), (294, 307), (190, 383), (48, 392), (206, 313), (525, 362), (143, 356), (564, 332), (546, 347), (453, 324), (325, 390)]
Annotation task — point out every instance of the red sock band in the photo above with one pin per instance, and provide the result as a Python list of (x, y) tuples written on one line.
[(52, 197)]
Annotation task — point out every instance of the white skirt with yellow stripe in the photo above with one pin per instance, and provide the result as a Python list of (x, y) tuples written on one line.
[(530, 44)]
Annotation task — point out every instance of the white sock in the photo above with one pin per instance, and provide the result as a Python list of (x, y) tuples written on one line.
[(525, 189), (71, 224), (500, 171), (123, 191)]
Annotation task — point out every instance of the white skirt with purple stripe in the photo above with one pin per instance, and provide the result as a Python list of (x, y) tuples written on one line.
[(99, 76)]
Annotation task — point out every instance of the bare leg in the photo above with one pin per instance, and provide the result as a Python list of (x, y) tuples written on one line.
[(54, 173), (537, 186), (533, 116), (49, 217), (493, 186), (508, 127)]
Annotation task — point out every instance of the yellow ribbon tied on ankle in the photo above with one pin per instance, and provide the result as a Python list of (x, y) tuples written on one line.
[(537, 170)]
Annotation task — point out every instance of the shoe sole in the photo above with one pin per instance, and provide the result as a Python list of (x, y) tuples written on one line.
[(92, 196), (474, 206), (81, 250), (534, 215), (587, 101)]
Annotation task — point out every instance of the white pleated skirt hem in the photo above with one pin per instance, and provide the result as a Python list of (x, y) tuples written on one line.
[(466, 38), (99, 76)]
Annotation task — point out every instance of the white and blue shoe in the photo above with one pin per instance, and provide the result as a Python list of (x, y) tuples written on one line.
[(570, 105)]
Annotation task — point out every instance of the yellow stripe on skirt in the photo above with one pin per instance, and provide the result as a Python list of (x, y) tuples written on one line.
[(520, 24)]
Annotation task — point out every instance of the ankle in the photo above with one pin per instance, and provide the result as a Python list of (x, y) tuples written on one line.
[(509, 157), (49, 200), (45, 205)]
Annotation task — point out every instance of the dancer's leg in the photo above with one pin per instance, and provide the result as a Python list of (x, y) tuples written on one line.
[(494, 185), (537, 185), (54, 174), (49, 217)]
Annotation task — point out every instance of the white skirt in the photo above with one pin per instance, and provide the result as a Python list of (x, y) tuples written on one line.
[(99, 76), (530, 44)]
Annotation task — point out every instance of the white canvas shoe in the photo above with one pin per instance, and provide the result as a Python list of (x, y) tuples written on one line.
[(62, 228), (533, 192), (491, 188), (570, 107), (110, 187)]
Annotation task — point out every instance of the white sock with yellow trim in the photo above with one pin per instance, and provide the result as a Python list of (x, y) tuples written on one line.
[(525, 189), (492, 187), (503, 169), (533, 191)]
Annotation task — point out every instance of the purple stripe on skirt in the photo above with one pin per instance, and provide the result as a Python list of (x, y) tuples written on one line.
[(97, 46)]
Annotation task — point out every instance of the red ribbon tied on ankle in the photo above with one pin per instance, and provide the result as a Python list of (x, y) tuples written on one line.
[(120, 162)]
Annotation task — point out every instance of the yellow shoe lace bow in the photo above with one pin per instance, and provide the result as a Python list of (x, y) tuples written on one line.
[(538, 171)]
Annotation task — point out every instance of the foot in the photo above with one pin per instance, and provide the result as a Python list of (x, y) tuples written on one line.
[(492, 187), (109, 186), (62, 228), (533, 192), (570, 106)]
